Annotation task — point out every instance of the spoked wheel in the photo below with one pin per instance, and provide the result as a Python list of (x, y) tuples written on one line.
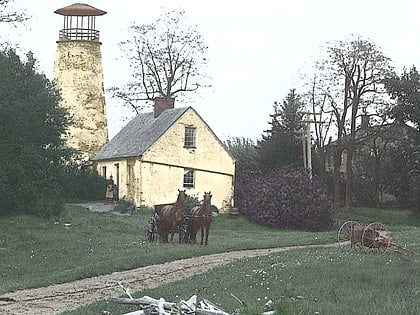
[(186, 228), (376, 239), (152, 228), (346, 235)]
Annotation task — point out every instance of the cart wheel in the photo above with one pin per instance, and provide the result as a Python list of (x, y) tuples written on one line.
[(149, 230), (186, 227), (152, 228), (345, 235), (376, 239)]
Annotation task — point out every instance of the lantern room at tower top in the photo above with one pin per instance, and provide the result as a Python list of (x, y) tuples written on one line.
[(79, 22)]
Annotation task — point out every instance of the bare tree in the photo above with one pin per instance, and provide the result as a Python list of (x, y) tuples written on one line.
[(10, 16), (322, 116), (352, 81), (166, 59)]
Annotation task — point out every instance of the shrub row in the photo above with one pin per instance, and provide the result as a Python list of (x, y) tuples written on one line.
[(286, 198)]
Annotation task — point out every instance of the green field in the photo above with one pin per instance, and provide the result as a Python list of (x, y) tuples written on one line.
[(35, 252)]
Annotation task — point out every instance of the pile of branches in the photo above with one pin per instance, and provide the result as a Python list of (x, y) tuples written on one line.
[(151, 306)]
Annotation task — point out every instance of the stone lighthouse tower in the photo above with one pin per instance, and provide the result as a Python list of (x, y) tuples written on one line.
[(79, 76)]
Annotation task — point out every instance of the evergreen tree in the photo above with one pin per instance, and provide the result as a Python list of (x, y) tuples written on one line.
[(33, 154), (282, 144)]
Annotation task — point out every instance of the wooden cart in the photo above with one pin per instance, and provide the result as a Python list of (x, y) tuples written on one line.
[(373, 238), (153, 227)]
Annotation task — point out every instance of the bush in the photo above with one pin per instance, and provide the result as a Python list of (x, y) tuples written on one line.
[(83, 184), (191, 201), (286, 198), (125, 206)]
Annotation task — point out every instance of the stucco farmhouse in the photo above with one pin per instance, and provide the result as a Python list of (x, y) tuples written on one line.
[(168, 149)]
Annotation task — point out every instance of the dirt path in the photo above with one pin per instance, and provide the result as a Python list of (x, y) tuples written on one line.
[(58, 298)]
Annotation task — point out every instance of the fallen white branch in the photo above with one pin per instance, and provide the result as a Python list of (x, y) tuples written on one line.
[(140, 312), (127, 291), (145, 300), (190, 307)]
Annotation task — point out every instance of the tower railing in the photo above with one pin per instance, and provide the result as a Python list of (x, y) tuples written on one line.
[(79, 34)]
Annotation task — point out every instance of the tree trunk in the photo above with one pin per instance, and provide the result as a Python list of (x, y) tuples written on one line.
[(337, 183), (376, 184), (322, 159), (349, 178)]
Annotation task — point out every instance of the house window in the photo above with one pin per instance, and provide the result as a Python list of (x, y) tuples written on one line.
[(188, 178), (130, 173), (189, 140), (104, 171)]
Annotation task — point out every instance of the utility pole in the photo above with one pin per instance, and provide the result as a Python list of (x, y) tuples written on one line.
[(307, 149), (309, 143)]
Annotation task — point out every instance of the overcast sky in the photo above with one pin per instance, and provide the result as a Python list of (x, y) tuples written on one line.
[(257, 49)]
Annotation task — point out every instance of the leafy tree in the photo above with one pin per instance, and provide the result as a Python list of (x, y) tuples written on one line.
[(31, 145), (372, 163), (405, 89), (166, 59), (245, 154), (403, 177), (282, 146)]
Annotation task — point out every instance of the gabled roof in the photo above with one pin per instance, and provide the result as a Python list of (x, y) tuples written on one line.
[(139, 134)]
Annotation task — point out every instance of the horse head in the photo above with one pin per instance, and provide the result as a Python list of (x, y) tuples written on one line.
[(201, 219), (182, 196), (207, 200)]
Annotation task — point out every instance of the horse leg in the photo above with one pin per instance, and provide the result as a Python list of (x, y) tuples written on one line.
[(180, 233), (207, 233), (202, 235), (164, 231), (194, 233)]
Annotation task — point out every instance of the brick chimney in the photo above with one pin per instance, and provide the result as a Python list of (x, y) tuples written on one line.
[(162, 103)]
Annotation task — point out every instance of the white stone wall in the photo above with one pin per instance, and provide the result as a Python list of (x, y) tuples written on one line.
[(209, 154), (79, 75), (214, 167)]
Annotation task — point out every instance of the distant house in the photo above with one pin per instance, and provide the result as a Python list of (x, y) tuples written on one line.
[(370, 140), (374, 145), (159, 152)]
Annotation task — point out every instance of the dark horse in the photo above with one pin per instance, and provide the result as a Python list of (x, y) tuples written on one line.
[(172, 216), (201, 217)]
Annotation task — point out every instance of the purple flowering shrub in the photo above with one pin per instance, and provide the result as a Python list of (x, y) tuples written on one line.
[(286, 198)]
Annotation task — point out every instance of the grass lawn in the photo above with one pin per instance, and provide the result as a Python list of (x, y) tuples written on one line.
[(305, 281), (36, 252)]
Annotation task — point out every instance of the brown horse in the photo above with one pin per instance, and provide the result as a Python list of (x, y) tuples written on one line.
[(201, 217), (172, 216)]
